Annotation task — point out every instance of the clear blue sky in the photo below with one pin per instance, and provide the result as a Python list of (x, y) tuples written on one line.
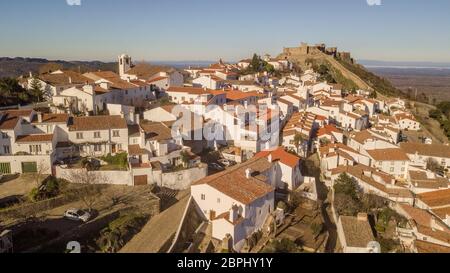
[(398, 30)]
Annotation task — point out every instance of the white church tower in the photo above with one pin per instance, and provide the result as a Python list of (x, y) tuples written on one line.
[(124, 64)]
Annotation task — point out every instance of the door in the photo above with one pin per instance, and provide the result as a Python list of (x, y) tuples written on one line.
[(113, 148), (5, 168), (140, 180), (29, 167)]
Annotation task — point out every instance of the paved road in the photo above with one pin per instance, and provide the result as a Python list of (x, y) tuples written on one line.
[(158, 230)]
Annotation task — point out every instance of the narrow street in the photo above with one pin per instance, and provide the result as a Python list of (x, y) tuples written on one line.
[(313, 169)]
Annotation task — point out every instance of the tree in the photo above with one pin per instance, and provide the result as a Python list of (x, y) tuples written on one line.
[(185, 158), (347, 186), (42, 169), (35, 89), (255, 64), (90, 186), (11, 92), (433, 165), (346, 205)]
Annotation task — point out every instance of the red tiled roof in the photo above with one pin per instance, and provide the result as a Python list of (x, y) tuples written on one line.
[(34, 138), (234, 183), (393, 154), (281, 155), (97, 123)]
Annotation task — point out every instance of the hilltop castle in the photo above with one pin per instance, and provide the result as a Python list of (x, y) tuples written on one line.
[(305, 49)]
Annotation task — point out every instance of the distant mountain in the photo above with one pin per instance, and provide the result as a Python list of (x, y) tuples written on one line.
[(412, 65), (16, 67)]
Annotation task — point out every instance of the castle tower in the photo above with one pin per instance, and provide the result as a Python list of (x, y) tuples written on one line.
[(124, 64)]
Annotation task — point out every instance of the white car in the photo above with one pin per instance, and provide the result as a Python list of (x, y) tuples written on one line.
[(77, 215), (226, 162)]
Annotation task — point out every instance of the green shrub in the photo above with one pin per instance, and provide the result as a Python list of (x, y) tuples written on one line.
[(118, 159), (120, 231)]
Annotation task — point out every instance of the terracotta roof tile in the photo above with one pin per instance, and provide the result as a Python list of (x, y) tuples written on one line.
[(97, 123), (34, 138), (234, 183)]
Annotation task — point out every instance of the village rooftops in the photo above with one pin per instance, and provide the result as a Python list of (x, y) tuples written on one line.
[(234, 95), (328, 130), (433, 150), (357, 232), (190, 90), (94, 123), (234, 183), (391, 154), (10, 118), (427, 224), (422, 179), (52, 118), (436, 199), (146, 71), (363, 136), (65, 78), (427, 247), (136, 150), (281, 155), (156, 131), (113, 78), (35, 138), (157, 79)]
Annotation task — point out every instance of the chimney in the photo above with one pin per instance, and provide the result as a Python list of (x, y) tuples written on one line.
[(362, 217), (31, 74), (212, 215), (248, 173), (234, 214), (136, 119), (269, 158), (39, 116), (70, 80)]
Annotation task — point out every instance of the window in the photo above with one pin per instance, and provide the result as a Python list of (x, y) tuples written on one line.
[(4, 135), (116, 133), (218, 200), (6, 149), (203, 197), (119, 147), (97, 148), (35, 149), (79, 135), (392, 170), (97, 135), (403, 169)]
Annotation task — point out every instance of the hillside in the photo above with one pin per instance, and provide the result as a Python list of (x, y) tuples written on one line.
[(16, 67), (350, 75)]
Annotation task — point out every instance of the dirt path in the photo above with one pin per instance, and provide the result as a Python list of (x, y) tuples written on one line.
[(158, 230), (16, 187)]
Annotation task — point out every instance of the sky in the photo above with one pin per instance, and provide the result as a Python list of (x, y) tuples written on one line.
[(180, 30)]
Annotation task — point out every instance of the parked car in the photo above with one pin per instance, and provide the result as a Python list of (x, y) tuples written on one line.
[(77, 215), (227, 163), (216, 167)]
